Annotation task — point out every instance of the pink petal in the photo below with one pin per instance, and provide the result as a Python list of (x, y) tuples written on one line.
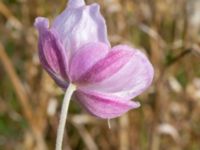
[(63, 83), (99, 70), (76, 3), (78, 26), (51, 52), (105, 106), (85, 58), (41, 23), (131, 80)]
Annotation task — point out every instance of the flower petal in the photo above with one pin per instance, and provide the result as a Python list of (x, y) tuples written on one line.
[(76, 3), (51, 52), (41, 23), (105, 106), (78, 26), (85, 58), (59, 80), (104, 68), (131, 80)]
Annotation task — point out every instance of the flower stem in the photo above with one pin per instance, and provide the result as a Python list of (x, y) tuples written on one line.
[(60, 132)]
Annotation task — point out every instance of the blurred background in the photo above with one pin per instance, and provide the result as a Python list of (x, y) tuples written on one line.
[(168, 31)]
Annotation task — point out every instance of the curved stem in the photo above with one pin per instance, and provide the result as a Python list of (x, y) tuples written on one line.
[(63, 116)]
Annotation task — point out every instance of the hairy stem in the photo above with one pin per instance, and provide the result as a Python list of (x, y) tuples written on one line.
[(63, 116)]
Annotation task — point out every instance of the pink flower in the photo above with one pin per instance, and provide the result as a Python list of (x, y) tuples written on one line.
[(75, 49)]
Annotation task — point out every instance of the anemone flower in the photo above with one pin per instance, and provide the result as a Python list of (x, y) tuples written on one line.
[(76, 53)]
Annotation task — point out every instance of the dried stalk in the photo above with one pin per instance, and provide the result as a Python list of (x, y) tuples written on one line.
[(10, 17), (124, 132), (87, 139), (22, 97)]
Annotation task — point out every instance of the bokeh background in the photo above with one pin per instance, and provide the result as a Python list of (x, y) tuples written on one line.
[(168, 31)]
